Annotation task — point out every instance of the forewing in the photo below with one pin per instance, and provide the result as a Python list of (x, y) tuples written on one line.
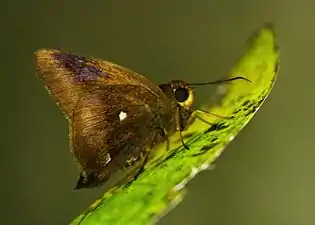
[(111, 128), (66, 76)]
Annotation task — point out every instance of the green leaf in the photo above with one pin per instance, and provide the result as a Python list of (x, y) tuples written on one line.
[(161, 186)]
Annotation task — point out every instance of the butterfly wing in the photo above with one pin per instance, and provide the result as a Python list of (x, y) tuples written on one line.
[(113, 112), (66, 76)]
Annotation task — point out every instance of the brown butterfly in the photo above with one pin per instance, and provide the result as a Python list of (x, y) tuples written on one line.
[(115, 115)]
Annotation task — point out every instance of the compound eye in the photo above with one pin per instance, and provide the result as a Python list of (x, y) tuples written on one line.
[(181, 94)]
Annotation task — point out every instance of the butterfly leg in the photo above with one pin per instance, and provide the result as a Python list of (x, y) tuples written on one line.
[(212, 114), (178, 128), (135, 173), (167, 142), (162, 134), (196, 115), (203, 120)]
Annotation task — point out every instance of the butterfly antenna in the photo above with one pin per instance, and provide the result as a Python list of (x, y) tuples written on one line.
[(220, 81)]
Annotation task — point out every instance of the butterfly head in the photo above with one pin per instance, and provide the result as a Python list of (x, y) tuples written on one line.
[(180, 91)]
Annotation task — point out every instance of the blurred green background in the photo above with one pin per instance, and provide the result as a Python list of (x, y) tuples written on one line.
[(266, 176)]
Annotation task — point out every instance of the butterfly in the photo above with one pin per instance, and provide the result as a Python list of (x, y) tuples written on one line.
[(115, 115)]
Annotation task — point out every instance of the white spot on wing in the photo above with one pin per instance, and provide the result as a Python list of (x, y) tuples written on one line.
[(122, 115), (108, 158)]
